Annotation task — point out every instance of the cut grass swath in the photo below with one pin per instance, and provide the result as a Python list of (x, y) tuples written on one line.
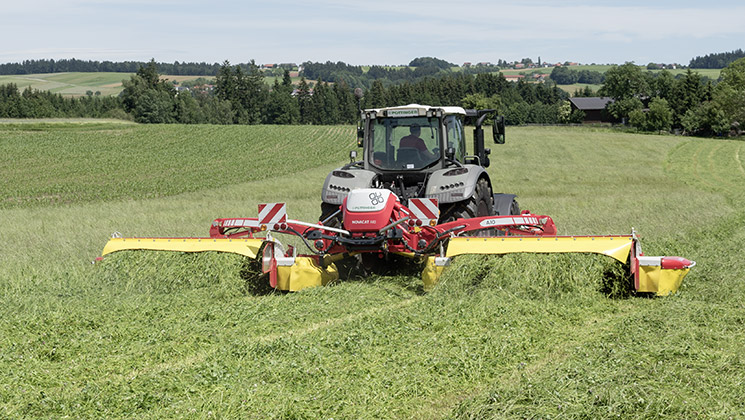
[(224, 274)]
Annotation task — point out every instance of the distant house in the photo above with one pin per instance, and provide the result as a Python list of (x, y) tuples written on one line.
[(593, 109), (513, 77), (467, 64)]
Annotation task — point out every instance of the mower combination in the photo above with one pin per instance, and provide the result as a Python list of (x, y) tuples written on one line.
[(418, 198)]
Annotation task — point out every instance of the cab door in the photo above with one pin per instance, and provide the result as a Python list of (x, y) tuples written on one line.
[(456, 138)]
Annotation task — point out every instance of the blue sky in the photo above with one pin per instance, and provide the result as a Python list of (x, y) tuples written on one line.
[(372, 32)]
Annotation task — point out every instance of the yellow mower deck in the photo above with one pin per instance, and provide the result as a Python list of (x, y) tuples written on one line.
[(617, 246), (248, 247), (296, 273)]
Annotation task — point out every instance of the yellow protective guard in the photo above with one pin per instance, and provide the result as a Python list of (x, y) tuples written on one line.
[(305, 273), (655, 279), (618, 246), (431, 273), (247, 247)]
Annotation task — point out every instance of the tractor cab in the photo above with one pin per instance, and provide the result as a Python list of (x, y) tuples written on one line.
[(418, 151), (412, 138)]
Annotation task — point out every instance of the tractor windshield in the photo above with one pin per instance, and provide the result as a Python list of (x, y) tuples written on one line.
[(404, 143)]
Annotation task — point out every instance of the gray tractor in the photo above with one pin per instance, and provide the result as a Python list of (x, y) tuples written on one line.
[(419, 151)]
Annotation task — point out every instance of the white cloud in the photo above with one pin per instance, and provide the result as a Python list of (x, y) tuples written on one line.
[(384, 31)]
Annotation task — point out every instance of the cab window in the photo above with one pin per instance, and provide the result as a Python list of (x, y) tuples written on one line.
[(456, 138), (404, 143)]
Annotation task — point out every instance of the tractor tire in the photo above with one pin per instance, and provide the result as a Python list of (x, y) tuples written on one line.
[(481, 203), (514, 208), (514, 211), (326, 211)]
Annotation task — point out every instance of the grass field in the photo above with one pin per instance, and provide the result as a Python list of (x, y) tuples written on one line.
[(171, 336), (109, 84), (78, 83)]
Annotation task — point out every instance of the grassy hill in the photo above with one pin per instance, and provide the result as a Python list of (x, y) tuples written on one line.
[(154, 335), (712, 74), (77, 84)]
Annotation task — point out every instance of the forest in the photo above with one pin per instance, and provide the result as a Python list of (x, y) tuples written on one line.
[(716, 60), (240, 96)]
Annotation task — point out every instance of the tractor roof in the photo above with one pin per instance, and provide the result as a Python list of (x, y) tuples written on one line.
[(413, 110)]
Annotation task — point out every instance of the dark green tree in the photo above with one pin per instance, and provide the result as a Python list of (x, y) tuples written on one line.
[(305, 103), (348, 111), (225, 83), (624, 82), (622, 109), (281, 107), (244, 89), (188, 110), (155, 107), (564, 76), (688, 92), (729, 94), (377, 96), (659, 117), (147, 97), (662, 85), (706, 119), (481, 101)]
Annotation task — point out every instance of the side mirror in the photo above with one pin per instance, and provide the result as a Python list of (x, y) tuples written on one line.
[(498, 129), (353, 156)]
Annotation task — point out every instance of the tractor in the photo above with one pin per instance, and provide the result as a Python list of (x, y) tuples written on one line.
[(419, 151)]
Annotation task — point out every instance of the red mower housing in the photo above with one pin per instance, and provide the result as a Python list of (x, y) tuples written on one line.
[(368, 209)]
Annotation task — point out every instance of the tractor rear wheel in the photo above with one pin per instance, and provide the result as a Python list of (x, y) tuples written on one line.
[(514, 208), (481, 203)]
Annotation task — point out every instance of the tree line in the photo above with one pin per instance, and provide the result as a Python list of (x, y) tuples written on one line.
[(562, 75), (73, 65), (352, 75), (240, 96), (692, 103), (357, 76), (716, 60), (651, 102), (32, 103)]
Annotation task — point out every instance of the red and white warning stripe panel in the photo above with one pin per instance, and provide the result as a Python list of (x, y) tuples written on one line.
[(272, 213), (424, 209)]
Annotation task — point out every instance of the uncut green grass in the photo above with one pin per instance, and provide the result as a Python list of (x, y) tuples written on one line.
[(77, 83), (181, 336), (58, 163)]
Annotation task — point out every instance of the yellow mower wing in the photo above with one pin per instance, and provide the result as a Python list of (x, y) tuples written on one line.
[(615, 246), (248, 247)]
